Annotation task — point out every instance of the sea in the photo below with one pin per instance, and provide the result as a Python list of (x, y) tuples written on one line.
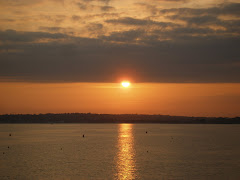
[(119, 151)]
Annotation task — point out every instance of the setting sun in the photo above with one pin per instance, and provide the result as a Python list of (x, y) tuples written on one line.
[(125, 84)]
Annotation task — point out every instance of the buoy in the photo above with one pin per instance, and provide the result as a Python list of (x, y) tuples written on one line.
[(10, 134), (83, 135), (146, 132)]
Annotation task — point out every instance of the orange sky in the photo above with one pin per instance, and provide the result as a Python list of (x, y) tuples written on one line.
[(158, 98)]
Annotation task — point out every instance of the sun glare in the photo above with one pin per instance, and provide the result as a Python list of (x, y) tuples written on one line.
[(125, 84)]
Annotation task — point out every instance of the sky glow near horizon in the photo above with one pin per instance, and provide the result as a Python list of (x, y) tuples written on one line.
[(142, 98), (181, 56)]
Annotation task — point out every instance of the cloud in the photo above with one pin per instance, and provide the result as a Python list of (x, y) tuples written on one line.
[(76, 59), (83, 6), (95, 28), (170, 0), (206, 21), (28, 3), (222, 9), (51, 29), (57, 29), (58, 19), (91, 5), (169, 45), (104, 1), (76, 18), (107, 8), (7, 20), (137, 22), (197, 20), (14, 36), (20, 2), (124, 36)]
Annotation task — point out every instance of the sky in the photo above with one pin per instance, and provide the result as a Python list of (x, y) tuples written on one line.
[(184, 44)]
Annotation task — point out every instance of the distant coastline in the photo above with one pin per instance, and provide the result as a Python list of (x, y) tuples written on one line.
[(113, 118)]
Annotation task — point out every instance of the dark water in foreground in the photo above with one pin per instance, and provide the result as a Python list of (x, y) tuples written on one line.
[(119, 151)]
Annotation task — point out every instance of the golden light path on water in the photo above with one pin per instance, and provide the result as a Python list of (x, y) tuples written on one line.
[(126, 168)]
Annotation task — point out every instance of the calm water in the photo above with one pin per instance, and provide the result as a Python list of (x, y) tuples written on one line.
[(119, 151)]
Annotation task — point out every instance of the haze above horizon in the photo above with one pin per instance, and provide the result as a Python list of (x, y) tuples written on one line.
[(142, 98)]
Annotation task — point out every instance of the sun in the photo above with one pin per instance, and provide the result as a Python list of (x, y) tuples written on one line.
[(125, 84)]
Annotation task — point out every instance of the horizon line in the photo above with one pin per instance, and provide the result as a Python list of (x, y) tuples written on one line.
[(119, 114)]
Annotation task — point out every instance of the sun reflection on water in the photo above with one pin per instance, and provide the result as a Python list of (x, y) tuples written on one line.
[(126, 155)]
